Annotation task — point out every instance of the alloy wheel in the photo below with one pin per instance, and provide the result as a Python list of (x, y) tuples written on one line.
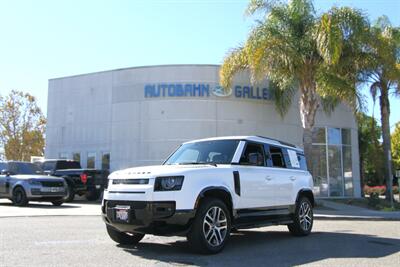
[(305, 216), (215, 226)]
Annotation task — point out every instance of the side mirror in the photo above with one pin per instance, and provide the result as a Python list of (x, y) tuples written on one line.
[(48, 172)]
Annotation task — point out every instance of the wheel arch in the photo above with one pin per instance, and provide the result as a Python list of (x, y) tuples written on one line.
[(17, 185), (68, 180), (219, 192), (306, 193)]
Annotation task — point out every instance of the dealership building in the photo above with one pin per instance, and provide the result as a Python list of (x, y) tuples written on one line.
[(137, 116)]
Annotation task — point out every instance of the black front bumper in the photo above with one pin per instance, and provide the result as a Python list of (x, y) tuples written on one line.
[(155, 217)]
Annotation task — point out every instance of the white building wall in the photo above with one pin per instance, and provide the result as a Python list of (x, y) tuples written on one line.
[(108, 112)]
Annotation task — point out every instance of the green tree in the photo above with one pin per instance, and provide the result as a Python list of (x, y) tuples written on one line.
[(22, 126), (396, 147), (383, 75), (371, 152), (316, 57)]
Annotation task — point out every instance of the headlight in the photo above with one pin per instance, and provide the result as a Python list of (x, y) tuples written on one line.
[(170, 183), (34, 182)]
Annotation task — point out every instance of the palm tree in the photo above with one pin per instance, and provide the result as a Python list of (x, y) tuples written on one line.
[(300, 52), (383, 75)]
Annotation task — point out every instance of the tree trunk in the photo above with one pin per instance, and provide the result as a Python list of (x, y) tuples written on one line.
[(362, 172), (385, 113), (308, 108)]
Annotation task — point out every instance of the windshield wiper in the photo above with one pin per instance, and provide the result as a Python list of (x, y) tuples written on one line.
[(198, 163)]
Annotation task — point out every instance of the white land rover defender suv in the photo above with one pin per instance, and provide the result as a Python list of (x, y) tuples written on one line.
[(208, 187)]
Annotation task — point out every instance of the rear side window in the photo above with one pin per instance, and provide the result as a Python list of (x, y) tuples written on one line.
[(277, 158), (253, 155), (64, 165), (294, 159), (302, 161)]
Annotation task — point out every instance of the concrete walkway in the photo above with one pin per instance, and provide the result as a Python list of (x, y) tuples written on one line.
[(333, 210)]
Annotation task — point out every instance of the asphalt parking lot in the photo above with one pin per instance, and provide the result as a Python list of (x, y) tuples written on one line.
[(81, 240)]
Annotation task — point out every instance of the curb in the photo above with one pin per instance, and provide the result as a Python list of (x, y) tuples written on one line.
[(322, 217)]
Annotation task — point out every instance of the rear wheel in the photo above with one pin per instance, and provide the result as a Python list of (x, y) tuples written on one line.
[(124, 238), (93, 194), (211, 227), (303, 218), (19, 197)]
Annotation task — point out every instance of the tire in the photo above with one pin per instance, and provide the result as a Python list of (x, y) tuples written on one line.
[(303, 218), (19, 197), (70, 194), (93, 195), (124, 238), (57, 203), (211, 227)]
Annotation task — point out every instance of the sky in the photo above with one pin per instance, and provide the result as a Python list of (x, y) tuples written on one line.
[(46, 39)]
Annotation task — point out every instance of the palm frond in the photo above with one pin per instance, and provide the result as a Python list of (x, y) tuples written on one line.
[(235, 61), (329, 104), (374, 89), (283, 97), (260, 5)]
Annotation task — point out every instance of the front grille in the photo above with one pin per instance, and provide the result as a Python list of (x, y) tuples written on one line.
[(132, 204), (52, 183), (130, 181), (38, 192)]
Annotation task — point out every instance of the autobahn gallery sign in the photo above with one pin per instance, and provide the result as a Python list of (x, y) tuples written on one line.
[(164, 90)]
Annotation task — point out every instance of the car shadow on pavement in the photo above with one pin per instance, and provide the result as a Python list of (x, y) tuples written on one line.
[(273, 248)]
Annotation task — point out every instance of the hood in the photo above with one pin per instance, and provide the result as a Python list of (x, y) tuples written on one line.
[(39, 177), (158, 170)]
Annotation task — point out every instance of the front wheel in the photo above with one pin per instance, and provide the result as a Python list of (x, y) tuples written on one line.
[(303, 218), (124, 238), (19, 197), (70, 194), (211, 227)]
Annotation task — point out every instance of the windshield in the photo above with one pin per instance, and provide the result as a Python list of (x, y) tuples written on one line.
[(205, 152), (24, 168)]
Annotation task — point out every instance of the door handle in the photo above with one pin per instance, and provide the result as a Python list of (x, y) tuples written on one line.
[(292, 178)]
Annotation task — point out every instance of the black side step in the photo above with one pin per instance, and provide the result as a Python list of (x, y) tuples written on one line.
[(251, 222)]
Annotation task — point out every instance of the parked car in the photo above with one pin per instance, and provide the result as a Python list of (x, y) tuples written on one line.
[(23, 181), (208, 187), (88, 182)]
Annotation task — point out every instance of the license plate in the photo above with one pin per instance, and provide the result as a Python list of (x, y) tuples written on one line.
[(98, 186), (52, 189), (122, 213)]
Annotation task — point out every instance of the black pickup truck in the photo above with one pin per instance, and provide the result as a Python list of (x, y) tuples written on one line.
[(88, 182)]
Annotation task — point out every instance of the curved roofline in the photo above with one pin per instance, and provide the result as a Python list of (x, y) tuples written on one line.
[(139, 67), (254, 138)]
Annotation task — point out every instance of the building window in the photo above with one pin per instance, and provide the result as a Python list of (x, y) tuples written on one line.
[(91, 160), (76, 156), (63, 155), (332, 164), (105, 161)]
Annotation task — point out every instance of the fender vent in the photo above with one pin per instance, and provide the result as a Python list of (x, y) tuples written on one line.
[(236, 180)]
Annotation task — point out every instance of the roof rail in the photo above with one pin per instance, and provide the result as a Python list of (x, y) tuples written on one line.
[(279, 141)]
